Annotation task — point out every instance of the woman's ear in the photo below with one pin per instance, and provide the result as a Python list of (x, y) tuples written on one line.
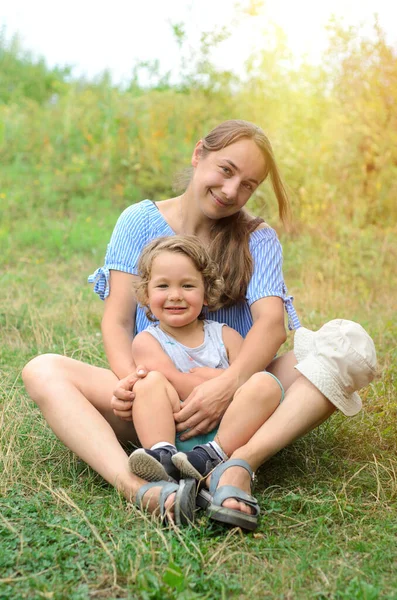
[(197, 153)]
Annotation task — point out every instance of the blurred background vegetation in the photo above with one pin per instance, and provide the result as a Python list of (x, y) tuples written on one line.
[(93, 144), (73, 154)]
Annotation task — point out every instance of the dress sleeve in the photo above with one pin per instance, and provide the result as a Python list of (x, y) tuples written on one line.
[(128, 238), (267, 278)]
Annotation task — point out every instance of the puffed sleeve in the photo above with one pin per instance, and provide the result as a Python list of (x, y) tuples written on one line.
[(267, 278), (128, 238)]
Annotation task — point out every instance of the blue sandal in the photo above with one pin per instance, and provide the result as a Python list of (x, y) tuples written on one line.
[(220, 513), (185, 499)]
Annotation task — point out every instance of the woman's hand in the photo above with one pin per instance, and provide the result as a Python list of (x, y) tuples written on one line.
[(204, 407), (123, 395)]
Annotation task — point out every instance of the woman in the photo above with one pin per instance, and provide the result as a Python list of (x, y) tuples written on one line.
[(89, 408)]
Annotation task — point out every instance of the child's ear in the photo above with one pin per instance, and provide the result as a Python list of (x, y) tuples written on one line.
[(205, 303)]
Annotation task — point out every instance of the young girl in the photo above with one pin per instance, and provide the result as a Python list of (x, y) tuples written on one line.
[(178, 279)]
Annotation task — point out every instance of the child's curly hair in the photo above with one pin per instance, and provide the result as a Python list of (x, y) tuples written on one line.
[(191, 247)]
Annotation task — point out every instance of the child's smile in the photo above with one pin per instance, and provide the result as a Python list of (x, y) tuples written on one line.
[(175, 291)]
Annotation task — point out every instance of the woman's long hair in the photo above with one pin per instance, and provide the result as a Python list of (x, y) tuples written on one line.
[(230, 236)]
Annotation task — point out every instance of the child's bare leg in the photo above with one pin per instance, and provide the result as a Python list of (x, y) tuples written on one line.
[(156, 401), (252, 405)]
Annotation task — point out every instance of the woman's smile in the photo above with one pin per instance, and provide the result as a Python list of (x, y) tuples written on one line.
[(219, 201), (224, 180)]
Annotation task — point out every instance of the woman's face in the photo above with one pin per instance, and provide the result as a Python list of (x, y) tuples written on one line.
[(223, 181)]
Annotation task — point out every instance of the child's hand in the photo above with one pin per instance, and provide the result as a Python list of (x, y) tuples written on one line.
[(123, 395), (206, 373)]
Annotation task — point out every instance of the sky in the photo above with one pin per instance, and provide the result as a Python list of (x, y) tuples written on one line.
[(96, 35)]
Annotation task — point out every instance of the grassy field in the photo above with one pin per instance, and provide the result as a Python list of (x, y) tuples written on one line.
[(328, 527), (72, 156)]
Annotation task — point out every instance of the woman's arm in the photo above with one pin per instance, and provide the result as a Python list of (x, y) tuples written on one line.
[(118, 323), (146, 350), (206, 404), (263, 340)]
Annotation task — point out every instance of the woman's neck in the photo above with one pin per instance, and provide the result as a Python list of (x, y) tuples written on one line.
[(190, 335), (194, 222), (185, 218)]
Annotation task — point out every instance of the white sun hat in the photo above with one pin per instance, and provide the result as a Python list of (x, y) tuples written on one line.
[(339, 359)]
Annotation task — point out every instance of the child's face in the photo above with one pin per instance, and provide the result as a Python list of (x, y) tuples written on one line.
[(175, 289)]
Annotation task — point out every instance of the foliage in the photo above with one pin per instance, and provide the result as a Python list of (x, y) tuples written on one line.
[(23, 77), (67, 168), (333, 127), (365, 116), (328, 502)]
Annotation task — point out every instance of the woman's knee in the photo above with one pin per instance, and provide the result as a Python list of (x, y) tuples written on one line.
[(39, 371)]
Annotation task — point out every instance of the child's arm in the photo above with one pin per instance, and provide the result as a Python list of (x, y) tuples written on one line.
[(233, 342), (147, 351)]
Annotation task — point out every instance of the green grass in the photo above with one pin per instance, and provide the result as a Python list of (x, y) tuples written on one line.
[(67, 169), (328, 526)]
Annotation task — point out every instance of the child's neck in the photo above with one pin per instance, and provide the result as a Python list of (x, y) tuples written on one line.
[(190, 335)]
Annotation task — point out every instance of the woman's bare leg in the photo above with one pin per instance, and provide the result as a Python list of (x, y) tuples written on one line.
[(303, 409), (75, 401), (156, 401)]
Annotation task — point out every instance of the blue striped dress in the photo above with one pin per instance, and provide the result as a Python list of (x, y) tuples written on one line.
[(142, 222)]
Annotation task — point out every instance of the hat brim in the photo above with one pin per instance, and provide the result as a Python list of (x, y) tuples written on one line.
[(312, 369), (303, 343)]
